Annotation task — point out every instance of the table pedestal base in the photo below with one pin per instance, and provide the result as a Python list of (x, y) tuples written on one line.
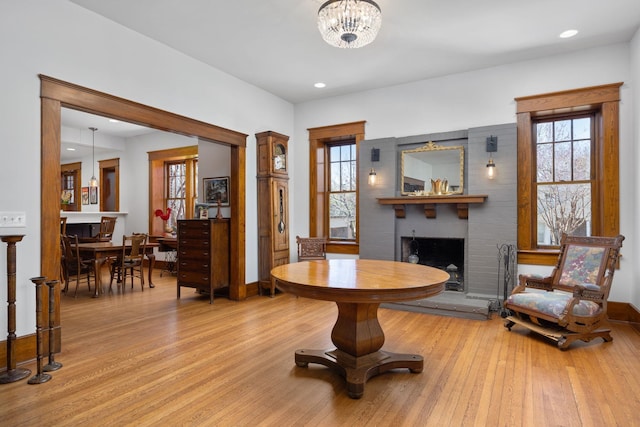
[(357, 370)]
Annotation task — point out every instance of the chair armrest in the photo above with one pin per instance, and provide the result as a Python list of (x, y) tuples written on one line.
[(588, 293), (536, 282)]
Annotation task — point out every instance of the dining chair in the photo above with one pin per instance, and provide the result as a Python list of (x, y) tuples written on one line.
[(74, 266), (130, 262), (63, 225), (105, 233), (107, 225), (311, 248)]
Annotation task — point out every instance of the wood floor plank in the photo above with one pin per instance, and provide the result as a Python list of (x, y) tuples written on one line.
[(148, 359)]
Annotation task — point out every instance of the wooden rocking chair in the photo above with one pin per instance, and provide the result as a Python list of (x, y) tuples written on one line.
[(571, 304)]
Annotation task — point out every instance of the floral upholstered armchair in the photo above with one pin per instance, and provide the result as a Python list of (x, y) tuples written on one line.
[(571, 304)]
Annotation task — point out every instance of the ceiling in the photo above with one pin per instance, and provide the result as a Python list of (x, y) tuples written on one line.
[(75, 146), (275, 44)]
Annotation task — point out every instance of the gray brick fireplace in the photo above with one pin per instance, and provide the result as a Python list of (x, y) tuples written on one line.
[(489, 224)]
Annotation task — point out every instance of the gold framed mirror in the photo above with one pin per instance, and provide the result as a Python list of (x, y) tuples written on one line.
[(432, 170)]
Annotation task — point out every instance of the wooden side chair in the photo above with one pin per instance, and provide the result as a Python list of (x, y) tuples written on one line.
[(63, 225), (130, 262), (73, 266), (311, 248), (571, 304), (107, 225), (105, 234)]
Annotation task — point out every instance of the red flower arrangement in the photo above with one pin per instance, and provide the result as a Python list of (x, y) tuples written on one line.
[(162, 215)]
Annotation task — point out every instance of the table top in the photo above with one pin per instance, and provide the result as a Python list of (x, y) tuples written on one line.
[(107, 246), (359, 280)]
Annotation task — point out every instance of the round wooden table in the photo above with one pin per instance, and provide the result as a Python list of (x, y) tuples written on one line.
[(358, 287)]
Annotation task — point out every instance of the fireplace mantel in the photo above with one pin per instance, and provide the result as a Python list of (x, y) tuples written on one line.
[(430, 203)]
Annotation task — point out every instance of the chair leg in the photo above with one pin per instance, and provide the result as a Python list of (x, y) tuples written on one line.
[(75, 293), (111, 274)]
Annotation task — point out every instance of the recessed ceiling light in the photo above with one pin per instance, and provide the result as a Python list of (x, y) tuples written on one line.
[(567, 34), (320, 85), (71, 149), (114, 121)]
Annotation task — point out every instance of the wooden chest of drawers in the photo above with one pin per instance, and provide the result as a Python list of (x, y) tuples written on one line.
[(203, 254)]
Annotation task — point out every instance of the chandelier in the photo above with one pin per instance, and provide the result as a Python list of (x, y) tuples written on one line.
[(349, 23)]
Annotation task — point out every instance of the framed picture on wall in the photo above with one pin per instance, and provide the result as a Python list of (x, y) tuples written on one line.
[(216, 189), (93, 195), (85, 195)]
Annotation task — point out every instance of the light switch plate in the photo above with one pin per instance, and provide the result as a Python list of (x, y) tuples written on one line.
[(13, 219)]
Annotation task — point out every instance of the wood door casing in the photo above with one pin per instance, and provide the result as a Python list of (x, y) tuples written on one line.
[(56, 93)]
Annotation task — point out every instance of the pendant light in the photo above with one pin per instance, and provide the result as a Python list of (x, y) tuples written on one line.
[(93, 182)]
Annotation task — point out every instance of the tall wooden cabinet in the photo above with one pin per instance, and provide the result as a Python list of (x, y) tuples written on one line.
[(203, 254), (273, 205)]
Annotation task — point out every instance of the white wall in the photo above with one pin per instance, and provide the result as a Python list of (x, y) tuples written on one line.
[(633, 153), (61, 40), (482, 98)]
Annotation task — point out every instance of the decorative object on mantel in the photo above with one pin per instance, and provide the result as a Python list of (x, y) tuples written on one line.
[(349, 23), (461, 201), (439, 186), (168, 229)]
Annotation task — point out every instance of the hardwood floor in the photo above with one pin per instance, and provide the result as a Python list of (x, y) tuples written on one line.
[(148, 359)]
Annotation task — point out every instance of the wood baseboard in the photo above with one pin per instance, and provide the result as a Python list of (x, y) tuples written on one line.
[(623, 311), (25, 350), (252, 289)]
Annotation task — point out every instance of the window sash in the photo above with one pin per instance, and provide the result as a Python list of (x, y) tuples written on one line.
[(341, 203)]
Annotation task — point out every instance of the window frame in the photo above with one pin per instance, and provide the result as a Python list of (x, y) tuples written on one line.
[(73, 170), (319, 141), (604, 102), (157, 183)]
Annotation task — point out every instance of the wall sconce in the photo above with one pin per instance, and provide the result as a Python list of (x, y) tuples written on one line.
[(372, 177), (375, 157), (492, 147)]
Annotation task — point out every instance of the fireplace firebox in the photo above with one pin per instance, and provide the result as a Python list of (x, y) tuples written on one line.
[(444, 253)]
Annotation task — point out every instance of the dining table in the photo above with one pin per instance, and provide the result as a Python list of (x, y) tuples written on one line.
[(358, 287), (100, 252)]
